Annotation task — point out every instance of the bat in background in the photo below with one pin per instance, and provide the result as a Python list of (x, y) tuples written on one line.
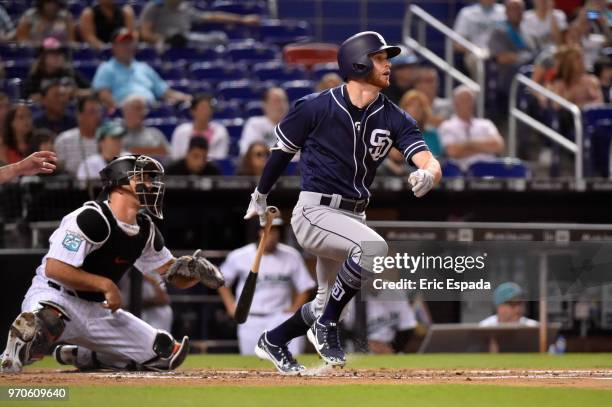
[(246, 296)]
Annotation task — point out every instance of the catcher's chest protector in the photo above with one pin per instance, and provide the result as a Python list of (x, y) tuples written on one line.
[(120, 250)]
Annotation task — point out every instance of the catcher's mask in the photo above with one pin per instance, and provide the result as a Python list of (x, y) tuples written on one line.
[(147, 174)]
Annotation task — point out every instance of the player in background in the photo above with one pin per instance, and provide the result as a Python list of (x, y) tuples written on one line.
[(74, 296), (343, 134), (40, 162), (284, 286), (509, 307)]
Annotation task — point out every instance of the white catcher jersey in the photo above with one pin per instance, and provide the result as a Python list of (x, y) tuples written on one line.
[(70, 245), (279, 273)]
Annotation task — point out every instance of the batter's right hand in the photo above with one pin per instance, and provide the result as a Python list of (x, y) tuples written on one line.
[(112, 294), (257, 206)]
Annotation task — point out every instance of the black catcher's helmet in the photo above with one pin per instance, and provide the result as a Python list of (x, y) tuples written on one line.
[(146, 172), (354, 54)]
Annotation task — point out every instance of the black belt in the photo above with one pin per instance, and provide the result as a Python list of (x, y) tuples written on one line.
[(84, 295), (347, 204)]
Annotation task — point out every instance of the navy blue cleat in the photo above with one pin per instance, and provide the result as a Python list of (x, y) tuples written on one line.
[(280, 356), (326, 339)]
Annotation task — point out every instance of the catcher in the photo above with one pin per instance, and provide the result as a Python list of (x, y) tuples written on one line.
[(74, 297)]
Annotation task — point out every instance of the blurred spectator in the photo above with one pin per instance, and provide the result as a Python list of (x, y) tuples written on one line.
[(98, 23), (476, 24), (195, 161), (328, 81), (404, 75), (416, 104), (169, 21), (215, 133), (7, 28), (17, 132), (394, 165), (54, 101), (41, 140), (284, 286), (52, 63), (254, 161), (465, 138), (594, 32), (544, 24), (48, 18), (75, 145), (545, 64), (123, 76), (511, 49), (510, 307), (429, 84), (603, 71), (109, 137), (261, 128), (572, 81), (140, 139)]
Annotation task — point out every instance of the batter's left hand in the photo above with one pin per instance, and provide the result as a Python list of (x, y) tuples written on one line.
[(422, 182)]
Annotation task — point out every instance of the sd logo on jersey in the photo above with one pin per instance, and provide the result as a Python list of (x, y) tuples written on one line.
[(72, 241), (381, 143)]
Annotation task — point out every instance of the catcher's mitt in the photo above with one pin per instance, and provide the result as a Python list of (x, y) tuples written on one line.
[(195, 267)]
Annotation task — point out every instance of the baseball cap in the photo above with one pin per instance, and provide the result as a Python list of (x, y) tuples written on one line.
[(506, 292), (121, 35), (109, 129)]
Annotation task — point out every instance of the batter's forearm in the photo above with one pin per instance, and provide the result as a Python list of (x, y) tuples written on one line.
[(75, 278), (432, 165), (275, 166)]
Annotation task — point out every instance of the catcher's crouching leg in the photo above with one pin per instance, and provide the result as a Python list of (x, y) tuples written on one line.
[(31, 336), (170, 353)]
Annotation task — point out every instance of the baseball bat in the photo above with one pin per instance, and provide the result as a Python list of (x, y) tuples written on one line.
[(246, 296)]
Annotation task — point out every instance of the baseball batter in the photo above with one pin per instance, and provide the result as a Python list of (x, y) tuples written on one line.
[(74, 296), (343, 135)]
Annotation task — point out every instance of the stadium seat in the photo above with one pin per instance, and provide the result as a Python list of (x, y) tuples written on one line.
[(234, 127), (146, 54), (227, 110), (310, 54), (597, 122), (217, 71), (165, 125), (297, 89), (12, 87), (87, 68), (193, 54), (451, 170), (240, 7), (15, 52), (253, 108), (172, 72), (278, 71), (227, 166), (161, 112), (242, 90), (284, 32), (84, 53), (251, 52), (17, 69), (499, 168), (320, 70)]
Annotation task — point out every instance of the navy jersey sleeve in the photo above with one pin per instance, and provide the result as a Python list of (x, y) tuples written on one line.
[(293, 130), (408, 139)]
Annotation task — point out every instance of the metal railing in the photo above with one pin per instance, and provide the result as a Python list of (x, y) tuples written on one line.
[(447, 64), (515, 114)]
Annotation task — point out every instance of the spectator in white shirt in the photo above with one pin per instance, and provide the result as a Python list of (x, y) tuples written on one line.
[(75, 145), (544, 24), (465, 138), (140, 139), (109, 137), (510, 307), (215, 133), (476, 24), (261, 128)]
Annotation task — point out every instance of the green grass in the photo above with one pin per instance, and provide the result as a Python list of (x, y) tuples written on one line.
[(319, 396), (431, 361), (356, 395)]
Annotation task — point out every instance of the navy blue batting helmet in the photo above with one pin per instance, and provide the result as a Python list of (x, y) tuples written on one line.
[(354, 54)]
